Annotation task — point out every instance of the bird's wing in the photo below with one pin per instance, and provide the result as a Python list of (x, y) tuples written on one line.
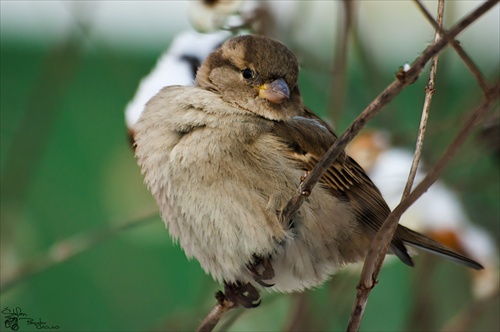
[(308, 138)]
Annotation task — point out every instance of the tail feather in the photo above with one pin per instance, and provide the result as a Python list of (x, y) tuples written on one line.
[(420, 241)]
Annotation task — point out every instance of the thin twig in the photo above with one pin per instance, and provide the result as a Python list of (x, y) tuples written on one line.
[(226, 326), (380, 244), (66, 249), (429, 92), (382, 239), (404, 78), (458, 48), (214, 316)]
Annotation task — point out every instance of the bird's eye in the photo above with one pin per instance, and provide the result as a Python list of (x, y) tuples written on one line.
[(247, 73)]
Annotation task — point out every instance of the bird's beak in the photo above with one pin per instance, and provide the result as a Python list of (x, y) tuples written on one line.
[(276, 92)]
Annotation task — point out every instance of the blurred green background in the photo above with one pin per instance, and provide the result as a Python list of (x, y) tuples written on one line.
[(68, 172)]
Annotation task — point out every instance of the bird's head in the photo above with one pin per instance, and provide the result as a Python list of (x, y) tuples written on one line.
[(254, 73)]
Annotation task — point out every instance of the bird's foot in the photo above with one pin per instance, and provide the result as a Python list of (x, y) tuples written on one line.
[(266, 273), (243, 294), (304, 176)]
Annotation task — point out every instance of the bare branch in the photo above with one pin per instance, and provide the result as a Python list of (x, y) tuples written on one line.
[(382, 239), (458, 48), (404, 78), (66, 249), (429, 92), (214, 316)]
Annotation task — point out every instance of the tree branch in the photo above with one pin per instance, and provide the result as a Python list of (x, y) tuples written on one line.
[(382, 239), (458, 48), (66, 249), (403, 79), (429, 92), (214, 316)]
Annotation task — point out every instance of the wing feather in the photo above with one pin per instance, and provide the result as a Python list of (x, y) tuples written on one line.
[(308, 138)]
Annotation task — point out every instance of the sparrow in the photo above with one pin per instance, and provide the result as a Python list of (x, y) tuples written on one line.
[(222, 158)]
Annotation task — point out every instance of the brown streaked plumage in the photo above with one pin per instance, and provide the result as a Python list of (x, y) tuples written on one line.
[(223, 158)]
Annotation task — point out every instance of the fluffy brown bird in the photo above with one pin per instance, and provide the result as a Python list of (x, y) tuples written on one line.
[(223, 158)]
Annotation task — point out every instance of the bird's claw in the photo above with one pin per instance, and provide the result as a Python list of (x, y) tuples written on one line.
[(304, 176), (243, 294), (266, 273)]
